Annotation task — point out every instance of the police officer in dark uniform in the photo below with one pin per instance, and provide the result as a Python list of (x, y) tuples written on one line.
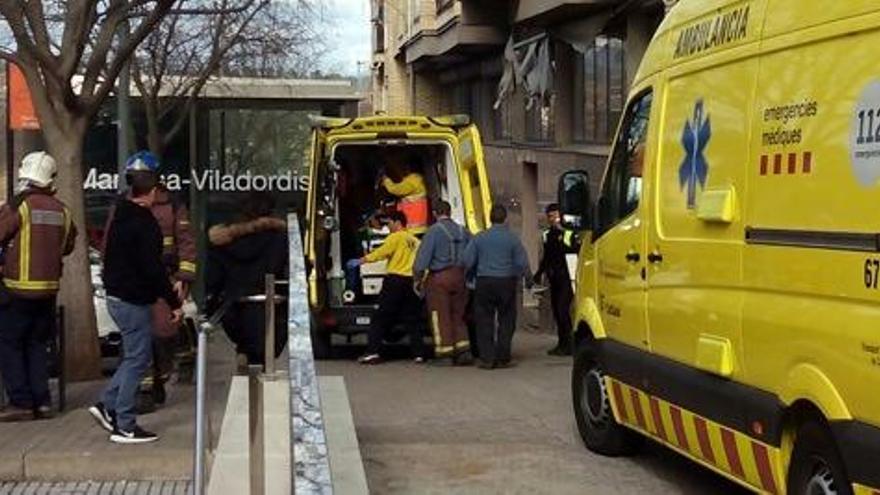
[(557, 243)]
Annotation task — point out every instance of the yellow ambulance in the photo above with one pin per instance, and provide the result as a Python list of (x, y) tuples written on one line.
[(349, 159), (728, 285)]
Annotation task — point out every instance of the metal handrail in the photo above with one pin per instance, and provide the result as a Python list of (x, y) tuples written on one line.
[(255, 406)]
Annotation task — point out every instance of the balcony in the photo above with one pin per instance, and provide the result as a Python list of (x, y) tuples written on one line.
[(547, 12), (461, 29)]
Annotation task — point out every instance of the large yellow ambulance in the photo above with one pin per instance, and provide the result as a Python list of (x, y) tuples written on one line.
[(728, 288), (349, 159)]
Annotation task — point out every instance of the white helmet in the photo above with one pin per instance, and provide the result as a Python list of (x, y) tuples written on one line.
[(38, 168)]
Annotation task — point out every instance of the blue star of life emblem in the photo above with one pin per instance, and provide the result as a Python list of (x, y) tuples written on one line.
[(694, 168)]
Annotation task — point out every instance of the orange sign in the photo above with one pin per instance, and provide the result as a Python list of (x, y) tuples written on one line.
[(21, 108)]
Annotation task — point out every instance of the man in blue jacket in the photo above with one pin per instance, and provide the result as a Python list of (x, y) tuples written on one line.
[(498, 260), (439, 264)]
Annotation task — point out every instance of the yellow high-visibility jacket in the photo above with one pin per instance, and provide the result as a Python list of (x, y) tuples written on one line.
[(399, 249)]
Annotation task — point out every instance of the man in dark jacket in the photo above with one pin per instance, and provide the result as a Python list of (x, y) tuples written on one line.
[(237, 269), (557, 243), (498, 259), (135, 278)]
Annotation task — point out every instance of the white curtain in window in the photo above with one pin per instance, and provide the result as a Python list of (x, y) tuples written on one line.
[(529, 67)]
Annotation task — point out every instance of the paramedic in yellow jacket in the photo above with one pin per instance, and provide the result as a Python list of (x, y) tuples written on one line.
[(410, 190), (398, 302)]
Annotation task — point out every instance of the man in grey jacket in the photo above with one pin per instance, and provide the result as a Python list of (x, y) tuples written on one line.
[(439, 263), (498, 260)]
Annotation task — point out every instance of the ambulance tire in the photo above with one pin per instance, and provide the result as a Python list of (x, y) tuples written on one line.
[(816, 465), (322, 347), (599, 430)]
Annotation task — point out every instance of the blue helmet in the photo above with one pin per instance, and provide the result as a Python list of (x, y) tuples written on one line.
[(142, 161)]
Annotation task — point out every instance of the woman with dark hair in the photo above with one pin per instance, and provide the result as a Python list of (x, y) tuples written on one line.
[(237, 267)]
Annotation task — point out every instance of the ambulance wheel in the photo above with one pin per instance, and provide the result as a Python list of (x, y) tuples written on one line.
[(322, 347), (592, 409), (816, 466)]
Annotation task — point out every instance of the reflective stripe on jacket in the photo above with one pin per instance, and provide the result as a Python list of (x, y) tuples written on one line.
[(38, 233), (178, 240)]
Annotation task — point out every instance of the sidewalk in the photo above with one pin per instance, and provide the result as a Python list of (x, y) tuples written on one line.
[(71, 447)]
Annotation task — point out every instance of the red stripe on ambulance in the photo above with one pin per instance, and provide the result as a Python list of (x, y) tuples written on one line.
[(791, 163), (703, 438), (678, 424), (762, 462), (730, 450), (658, 419), (637, 409), (618, 399)]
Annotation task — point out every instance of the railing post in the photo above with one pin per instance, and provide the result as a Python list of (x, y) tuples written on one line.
[(270, 326), (62, 364), (255, 431), (201, 388)]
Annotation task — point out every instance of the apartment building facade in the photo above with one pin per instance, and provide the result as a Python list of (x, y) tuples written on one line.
[(546, 80)]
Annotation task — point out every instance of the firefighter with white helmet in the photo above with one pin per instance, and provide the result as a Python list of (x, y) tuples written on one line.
[(36, 232)]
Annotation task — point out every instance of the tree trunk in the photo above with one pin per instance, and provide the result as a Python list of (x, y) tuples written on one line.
[(82, 359), (155, 139)]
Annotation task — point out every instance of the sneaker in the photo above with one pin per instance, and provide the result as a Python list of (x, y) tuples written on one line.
[(507, 363), (106, 419), (370, 359), (44, 412), (483, 365), (419, 360), (136, 435)]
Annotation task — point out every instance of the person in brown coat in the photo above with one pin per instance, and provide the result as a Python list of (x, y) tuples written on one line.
[(439, 263), (36, 232)]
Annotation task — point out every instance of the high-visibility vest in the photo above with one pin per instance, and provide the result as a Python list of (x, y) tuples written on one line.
[(40, 231), (413, 200), (415, 208)]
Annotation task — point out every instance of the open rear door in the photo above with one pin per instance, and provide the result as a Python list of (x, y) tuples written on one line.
[(314, 233), (474, 178)]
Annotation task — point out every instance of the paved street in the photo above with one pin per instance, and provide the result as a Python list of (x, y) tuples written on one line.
[(429, 429)]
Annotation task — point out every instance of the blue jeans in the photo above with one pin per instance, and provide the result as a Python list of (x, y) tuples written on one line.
[(135, 322)]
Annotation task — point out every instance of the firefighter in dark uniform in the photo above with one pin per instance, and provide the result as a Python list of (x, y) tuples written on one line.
[(557, 243), (36, 232), (179, 257)]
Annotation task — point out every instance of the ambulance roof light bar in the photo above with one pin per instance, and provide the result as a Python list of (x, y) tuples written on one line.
[(457, 120)]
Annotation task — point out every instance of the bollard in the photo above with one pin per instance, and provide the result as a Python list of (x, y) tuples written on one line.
[(201, 386), (270, 327), (62, 364), (255, 431)]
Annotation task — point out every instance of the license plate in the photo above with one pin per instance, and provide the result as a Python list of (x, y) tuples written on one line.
[(362, 320)]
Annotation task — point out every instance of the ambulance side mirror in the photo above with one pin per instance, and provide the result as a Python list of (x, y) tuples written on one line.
[(575, 204)]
